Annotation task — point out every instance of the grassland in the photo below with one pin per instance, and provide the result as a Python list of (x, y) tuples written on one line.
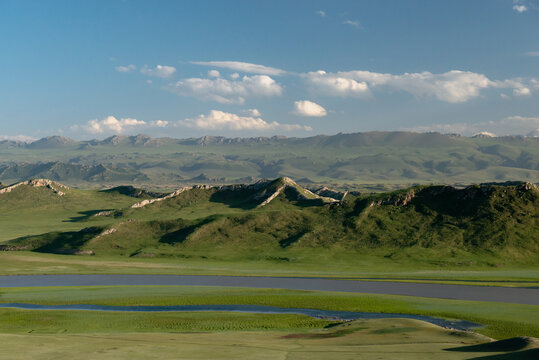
[(439, 235), (28, 210), (217, 335), (488, 227), (373, 339), (502, 320)]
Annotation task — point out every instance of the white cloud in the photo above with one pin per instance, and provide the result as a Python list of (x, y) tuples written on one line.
[(242, 67), (334, 84), (112, 124), (520, 8), (252, 112), (127, 68), (161, 71), (159, 123), (214, 73), (512, 125), (519, 88), (354, 23), (220, 120), (229, 91), (453, 86), (234, 76), (522, 91), (308, 108), (532, 53), (321, 13), (22, 138)]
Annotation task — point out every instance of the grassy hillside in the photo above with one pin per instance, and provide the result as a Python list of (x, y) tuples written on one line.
[(367, 161), (28, 210), (489, 224)]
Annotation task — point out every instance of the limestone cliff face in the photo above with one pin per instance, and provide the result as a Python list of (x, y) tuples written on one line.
[(52, 185)]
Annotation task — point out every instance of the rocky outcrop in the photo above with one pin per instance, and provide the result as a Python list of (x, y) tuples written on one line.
[(107, 232), (169, 196), (52, 185), (285, 183), (330, 193), (402, 200)]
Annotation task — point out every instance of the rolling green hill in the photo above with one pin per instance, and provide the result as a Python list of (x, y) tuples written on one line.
[(279, 220), (38, 206), (373, 161)]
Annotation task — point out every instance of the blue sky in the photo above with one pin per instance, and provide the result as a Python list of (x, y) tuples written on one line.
[(89, 69)]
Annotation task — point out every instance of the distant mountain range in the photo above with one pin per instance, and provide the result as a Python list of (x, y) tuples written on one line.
[(353, 139), (370, 160)]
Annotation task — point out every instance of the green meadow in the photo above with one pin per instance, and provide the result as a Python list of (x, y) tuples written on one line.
[(372, 339), (219, 335), (501, 320)]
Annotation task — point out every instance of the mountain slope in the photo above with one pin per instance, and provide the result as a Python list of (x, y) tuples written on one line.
[(486, 224)]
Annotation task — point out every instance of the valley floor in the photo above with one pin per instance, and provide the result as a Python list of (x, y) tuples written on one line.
[(401, 339), (364, 268)]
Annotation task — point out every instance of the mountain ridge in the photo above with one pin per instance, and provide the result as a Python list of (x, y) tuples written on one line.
[(356, 161), (491, 222), (358, 138)]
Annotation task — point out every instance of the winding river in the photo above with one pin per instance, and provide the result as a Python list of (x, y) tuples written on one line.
[(259, 309), (517, 295)]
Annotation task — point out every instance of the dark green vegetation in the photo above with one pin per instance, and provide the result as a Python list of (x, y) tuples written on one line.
[(377, 161), (491, 225)]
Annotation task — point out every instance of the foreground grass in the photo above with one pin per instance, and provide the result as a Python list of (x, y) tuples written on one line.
[(366, 267), (502, 320), (363, 339)]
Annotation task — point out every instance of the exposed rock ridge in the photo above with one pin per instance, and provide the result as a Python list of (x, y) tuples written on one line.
[(287, 183), (302, 193), (52, 185), (169, 196), (272, 196)]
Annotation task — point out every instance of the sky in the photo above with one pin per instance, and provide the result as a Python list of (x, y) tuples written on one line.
[(90, 69)]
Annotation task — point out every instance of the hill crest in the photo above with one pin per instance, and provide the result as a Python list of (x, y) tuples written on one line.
[(49, 184)]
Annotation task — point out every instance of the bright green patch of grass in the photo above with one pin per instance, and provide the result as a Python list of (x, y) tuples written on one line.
[(47, 322), (502, 320)]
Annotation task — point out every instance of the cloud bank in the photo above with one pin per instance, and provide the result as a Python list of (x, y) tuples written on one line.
[(22, 138), (242, 67), (512, 125), (220, 120), (454, 86), (111, 124), (228, 91)]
